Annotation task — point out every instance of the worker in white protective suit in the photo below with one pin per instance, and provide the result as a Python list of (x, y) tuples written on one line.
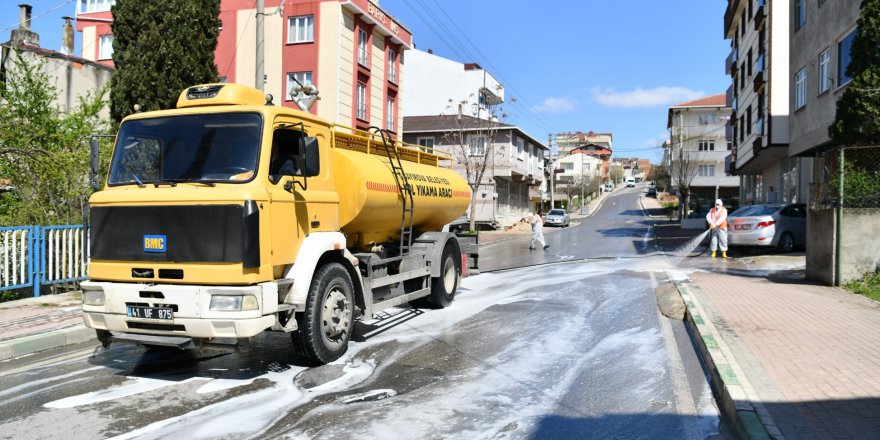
[(717, 218)]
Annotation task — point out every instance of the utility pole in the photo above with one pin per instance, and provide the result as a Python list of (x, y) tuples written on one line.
[(552, 169), (260, 77)]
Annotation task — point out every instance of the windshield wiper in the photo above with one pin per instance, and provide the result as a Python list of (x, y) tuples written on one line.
[(175, 181), (136, 179)]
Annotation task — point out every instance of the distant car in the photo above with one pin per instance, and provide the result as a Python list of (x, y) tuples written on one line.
[(609, 187), (770, 225), (630, 182), (652, 191), (557, 217)]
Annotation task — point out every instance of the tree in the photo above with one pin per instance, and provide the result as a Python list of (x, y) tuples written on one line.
[(159, 49), (857, 121), (659, 174), (474, 143), (44, 150), (616, 174)]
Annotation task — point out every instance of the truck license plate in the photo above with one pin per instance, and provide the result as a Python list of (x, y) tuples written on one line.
[(164, 314)]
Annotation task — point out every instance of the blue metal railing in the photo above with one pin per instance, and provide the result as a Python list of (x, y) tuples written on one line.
[(35, 256)]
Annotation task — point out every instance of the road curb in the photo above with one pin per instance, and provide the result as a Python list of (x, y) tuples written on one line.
[(729, 384), (18, 347)]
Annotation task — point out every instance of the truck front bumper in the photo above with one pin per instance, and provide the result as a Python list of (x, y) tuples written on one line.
[(191, 309)]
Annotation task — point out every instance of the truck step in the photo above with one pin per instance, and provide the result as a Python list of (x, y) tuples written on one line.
[(180, 342)]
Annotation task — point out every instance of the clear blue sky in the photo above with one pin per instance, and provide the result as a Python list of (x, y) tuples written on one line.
[(572, 65)]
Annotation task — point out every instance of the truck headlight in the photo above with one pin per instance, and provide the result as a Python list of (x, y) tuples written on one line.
[(233, 303), (93, 297)]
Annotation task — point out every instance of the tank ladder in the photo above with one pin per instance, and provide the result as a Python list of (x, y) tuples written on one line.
[(406, 190)]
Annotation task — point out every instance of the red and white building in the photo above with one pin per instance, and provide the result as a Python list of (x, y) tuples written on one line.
[(351, 50)]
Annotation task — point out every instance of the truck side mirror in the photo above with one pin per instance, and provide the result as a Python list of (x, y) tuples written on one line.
[(94, 160), (311, 158)]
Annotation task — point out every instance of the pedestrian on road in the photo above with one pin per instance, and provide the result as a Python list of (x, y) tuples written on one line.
[(537, 230), (717, 218)]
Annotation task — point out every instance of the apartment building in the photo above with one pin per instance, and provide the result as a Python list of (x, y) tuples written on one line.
[(762, 98), (598, 145), (821, 40), (515, 164), (351, 50), (436, 85), (697, 153)]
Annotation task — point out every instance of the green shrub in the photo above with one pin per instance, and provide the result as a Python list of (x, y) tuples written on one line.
[(868, 285)]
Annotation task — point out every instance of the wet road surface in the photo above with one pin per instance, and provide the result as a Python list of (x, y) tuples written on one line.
[(569, 350)]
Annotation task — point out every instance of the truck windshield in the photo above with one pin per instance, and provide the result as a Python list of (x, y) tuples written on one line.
[(189, 148)]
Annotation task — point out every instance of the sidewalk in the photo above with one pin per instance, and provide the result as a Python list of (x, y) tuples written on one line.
[(35, 324)]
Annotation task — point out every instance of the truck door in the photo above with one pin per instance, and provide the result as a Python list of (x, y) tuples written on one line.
[(288, 217)]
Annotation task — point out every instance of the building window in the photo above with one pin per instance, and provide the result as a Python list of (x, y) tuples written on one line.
[(363, 41), (708, 119), (844, 56), (389, 115), (477, 145), (520, 149), (105, 47), (304, 78), (729, 145), (361, 102), (301, 29), (800, 14), (825, 70), (706, 145), (706, 170), (427, 144), (392, 66), (749, 120), (800, 89), (87, 6)]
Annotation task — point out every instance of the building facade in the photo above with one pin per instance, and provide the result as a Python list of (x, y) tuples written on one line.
[(821, 40), (351, 50), (598, 145), (514, 162), (763, 100), (697, 154), (436, 85)]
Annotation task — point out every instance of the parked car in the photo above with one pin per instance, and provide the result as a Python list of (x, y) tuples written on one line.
[(652, 191), (609, 187), (771, 225), (557, 217)]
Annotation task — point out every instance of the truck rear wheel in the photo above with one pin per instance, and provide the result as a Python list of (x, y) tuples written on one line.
[(443, 287), (325, 326)]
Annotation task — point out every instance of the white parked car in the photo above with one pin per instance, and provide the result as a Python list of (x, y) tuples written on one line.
[(773, 225), (557, 217)]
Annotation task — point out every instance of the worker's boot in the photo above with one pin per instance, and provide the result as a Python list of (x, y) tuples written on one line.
[(713, 254), (723, 254)]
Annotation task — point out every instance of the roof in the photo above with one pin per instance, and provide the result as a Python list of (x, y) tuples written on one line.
[(719, 100), (440, 123), (49, 53)]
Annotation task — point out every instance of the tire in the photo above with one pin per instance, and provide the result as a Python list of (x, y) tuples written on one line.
[(786, 243), (324, 328), (105, 337), (443, 287)]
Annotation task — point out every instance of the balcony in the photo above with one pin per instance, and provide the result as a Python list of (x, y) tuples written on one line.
[(729, 131), (759, 126), (760, 13), (730, 96), (730, 63), (760, 73)]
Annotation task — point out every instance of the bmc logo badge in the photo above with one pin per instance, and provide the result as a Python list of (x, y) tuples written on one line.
[(155, 243)]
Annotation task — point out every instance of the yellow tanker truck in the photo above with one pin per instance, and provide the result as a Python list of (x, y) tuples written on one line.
[(229, 216)]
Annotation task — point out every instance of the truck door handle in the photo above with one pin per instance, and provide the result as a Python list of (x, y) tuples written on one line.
[(315, 224)]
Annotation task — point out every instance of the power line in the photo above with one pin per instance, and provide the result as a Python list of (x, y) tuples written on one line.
[(67, 2), (459, 48)]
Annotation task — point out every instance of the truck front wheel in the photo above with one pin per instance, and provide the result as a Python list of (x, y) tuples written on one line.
[(326, 324)]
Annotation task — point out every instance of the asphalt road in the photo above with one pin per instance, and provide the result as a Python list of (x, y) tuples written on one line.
[(569, 350)]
